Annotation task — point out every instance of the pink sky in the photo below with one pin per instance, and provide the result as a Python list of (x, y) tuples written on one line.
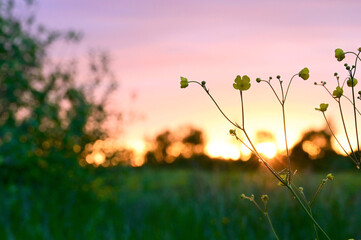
[(153, 43)]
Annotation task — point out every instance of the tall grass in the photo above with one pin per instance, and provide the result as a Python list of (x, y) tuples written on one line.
[(176, 204)]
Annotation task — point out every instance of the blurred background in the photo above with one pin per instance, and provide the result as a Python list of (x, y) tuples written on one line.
[(98, 140)]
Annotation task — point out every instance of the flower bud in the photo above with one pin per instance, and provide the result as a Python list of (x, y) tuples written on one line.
[(330, 176), (184, 82), (265, 198), (243, 196), (258, 80)]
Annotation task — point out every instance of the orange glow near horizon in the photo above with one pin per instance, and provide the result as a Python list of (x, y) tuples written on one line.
[(224, 150), (152, 44), (267, 149)]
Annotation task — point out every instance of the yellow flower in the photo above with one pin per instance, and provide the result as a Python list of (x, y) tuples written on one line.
[(339, 54), (351, 82), (242, 83), (265, 198), (323, 107), (338, 92), (304, 74)]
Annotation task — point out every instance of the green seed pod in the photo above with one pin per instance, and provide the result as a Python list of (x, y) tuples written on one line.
[(351, 82)]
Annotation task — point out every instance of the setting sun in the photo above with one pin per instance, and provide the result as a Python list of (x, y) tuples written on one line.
[(267, 149), (223, 149)]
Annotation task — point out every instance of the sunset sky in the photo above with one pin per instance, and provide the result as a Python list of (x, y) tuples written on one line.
[(153, 43)]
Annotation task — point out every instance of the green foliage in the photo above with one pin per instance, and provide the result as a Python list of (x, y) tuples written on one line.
[(177, 204), (46, 117)]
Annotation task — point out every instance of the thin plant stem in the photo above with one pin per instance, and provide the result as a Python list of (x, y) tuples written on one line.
[(309, 208), (354, 113), (265, 213), (352, 104), (288, 87), (271, 169), (241, 95), (237, 138), (314, 226), (345, 129), (287, 151), (271, 225), (274, 91), (357, 55), (274, 172), (214, 101), (342, 96), (307, 211), (333, 134), (320, 187), (256, 204)]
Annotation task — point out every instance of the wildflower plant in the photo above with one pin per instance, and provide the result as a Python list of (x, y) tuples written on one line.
[(347, 86), (281, 90)]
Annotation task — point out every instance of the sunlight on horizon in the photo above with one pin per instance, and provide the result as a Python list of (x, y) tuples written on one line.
[(267, 149), (222, 149)]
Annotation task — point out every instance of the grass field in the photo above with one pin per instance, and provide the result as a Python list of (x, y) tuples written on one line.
[(177, 204)]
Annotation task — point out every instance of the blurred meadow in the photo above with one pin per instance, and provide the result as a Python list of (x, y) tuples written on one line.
[(175, 204), (71, 168)]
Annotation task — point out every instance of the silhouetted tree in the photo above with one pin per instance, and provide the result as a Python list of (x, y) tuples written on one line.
[(46, 117), (314, 152)]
